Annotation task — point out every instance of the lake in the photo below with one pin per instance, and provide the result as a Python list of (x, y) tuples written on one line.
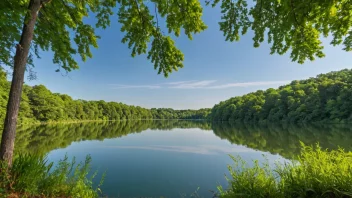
[(172, 158)]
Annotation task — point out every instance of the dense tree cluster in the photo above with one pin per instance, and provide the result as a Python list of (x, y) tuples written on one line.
[(40, 104), (168, 113), (328, 97)]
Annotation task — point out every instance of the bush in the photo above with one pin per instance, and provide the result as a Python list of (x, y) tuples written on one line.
[(315, 173), (32, 176)]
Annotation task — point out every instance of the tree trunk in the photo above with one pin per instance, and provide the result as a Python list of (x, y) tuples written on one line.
[(20, 61)]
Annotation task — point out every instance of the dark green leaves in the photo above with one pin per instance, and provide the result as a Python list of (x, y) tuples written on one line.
[(234, 19), (295, 25), (141, 25), (62, 28), (288, 25), (165, 56)]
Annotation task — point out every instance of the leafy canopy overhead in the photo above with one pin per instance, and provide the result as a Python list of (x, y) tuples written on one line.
[(296, 25), (288, 25), (62, 21)]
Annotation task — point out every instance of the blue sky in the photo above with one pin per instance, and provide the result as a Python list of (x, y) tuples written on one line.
[(214, 70)]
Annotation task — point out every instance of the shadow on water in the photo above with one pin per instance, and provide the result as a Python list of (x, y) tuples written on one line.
[(279, 139)]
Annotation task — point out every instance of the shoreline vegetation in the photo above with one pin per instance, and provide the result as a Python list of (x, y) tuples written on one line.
[(32, 176), (313, 173)]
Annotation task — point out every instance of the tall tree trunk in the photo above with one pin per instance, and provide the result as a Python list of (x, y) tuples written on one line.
[(20, 61)]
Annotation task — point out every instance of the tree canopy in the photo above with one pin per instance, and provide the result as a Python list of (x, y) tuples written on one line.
[(62, 28), (297, 26), (290, 26), (324, 98)]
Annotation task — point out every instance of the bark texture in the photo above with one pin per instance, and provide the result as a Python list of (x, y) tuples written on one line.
[(20, 61)]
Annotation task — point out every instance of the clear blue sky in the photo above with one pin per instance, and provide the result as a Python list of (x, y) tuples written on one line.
[(214, 70)]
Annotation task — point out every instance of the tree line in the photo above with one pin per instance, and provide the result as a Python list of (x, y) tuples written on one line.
[(39, 104), (325, 98)]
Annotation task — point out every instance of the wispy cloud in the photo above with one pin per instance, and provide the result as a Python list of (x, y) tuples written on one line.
[(247, 84), (118, 86), (194, 85), (180, 82), (198, 84)]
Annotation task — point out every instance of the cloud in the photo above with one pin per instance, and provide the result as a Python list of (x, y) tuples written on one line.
[(247, 84), (179, 82), (194, 85), (198, 84), (117, 86)]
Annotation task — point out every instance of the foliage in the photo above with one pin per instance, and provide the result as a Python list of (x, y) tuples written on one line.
[(41, 105), (76, 36), (315, 173), (168, 113), (32, 176), (295, 26), (326, 98)]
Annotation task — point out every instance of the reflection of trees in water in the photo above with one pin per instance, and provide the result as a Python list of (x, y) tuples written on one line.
[(284, 139), (276, 139), (44, 138)]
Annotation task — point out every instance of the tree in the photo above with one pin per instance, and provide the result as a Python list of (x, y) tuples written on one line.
[(59, 26), (295, 25)]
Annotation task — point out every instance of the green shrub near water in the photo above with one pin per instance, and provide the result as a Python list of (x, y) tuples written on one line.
[(315, 173), (33, 176)]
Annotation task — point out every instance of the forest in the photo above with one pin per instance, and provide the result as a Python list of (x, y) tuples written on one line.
[(39, 104), (325, 98)]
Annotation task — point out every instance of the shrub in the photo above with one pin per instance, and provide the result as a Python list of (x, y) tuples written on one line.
[(32, 176), (314, 173)]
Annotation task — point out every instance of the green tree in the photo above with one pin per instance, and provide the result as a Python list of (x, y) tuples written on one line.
[(59, 26), (296, 26)]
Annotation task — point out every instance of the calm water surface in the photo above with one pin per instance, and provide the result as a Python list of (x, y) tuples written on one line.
[(172, 158)]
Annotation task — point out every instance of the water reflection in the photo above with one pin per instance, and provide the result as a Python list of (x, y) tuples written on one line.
[(277, 139), (285, 139), (200, 149)]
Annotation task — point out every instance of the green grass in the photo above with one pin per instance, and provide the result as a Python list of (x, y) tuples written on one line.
[(33, 176), (315, 173)]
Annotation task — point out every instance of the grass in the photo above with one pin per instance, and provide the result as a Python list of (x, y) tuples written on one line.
[(33, 176), (315, 173)]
